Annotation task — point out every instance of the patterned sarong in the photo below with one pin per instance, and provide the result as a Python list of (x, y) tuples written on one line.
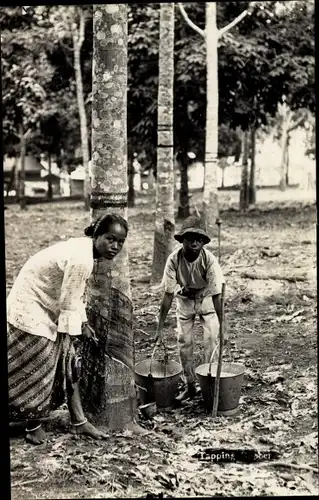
[(41, 373)]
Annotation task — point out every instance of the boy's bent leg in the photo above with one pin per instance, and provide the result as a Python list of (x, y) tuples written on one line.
[(185, 326), (210, 324), (185, 345)]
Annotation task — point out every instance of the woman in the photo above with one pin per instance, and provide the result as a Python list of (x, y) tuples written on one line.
[(45, 312)]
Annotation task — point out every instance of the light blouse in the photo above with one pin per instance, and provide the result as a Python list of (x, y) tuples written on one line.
[(47, 295)]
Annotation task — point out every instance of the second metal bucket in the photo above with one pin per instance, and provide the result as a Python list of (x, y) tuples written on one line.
[(230, 385), (157, 381)]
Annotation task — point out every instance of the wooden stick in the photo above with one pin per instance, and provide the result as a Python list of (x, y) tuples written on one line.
[(220, 356), (218, 222)]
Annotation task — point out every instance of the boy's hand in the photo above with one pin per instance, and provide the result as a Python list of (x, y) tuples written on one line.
[(158, 334)]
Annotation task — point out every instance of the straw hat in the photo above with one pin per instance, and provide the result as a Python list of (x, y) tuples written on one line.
[(193, 224)]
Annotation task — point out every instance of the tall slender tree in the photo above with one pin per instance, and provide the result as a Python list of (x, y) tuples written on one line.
[(165, 222), (78, 34), (69, 23), (252, 175), (211, 35), (288, 121), (107, 386)]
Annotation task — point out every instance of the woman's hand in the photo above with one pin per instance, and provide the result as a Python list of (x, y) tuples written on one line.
[(88, 332)]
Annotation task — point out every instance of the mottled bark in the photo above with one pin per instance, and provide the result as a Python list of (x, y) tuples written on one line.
[(210, 195), (252, 177), (164, 223), (78, 39), (183, 207), (244, 200), (109, 397)]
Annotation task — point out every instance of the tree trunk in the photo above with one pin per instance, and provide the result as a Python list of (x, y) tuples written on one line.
[(286, 116), (287, 161), (183, 207), (107, 385), (282, 182), (164, 223), (11, 180), (17, 180), (131, 191), (252, 178), (21, 178), (50, 191), (244, 200), (78, 39), (223, 166), (210, 196)]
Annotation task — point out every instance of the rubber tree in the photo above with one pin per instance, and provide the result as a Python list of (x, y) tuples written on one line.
[(211, 35), (165, 221), (107, 384)]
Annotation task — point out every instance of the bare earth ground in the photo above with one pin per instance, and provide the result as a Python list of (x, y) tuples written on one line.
[(272, 325)]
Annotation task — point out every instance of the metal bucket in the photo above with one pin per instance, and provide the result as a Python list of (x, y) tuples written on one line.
[(231, 381), (157, 381)]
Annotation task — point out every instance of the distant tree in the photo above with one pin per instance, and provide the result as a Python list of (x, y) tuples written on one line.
[(68, 25), (212, 34), (267, 62)]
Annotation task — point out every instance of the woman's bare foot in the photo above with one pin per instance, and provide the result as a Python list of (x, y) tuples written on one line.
[(136, 428), (36, 437), (88, 429)]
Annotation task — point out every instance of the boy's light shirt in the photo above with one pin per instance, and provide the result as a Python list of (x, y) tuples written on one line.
[(179, 273)]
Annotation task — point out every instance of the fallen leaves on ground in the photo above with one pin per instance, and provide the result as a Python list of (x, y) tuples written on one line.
[(278, 405)]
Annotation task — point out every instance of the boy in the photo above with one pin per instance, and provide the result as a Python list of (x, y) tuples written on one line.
[(194, 275)]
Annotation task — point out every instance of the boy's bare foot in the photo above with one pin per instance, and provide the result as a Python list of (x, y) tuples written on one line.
[(37, 436), (189, 393), (88, 429)]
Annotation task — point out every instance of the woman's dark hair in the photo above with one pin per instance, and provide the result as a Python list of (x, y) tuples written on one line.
[(103, 223)]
